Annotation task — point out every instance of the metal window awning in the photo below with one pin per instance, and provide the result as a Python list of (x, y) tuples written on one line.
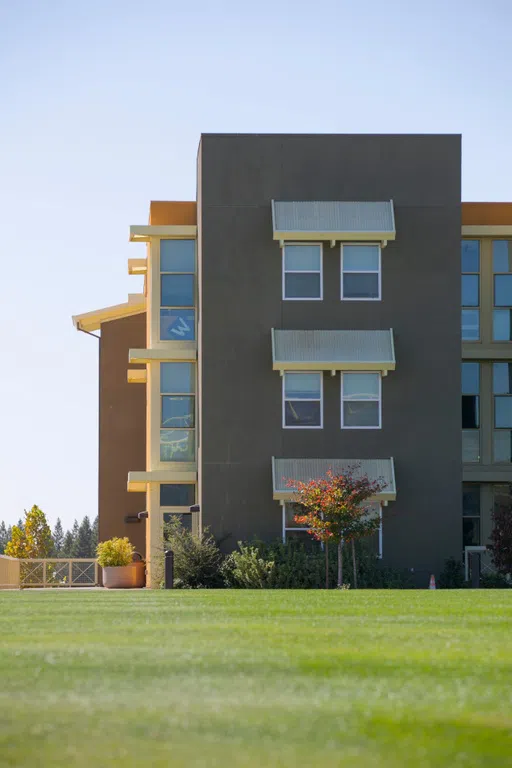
[(304, 470), (333, 350), (333, 220)]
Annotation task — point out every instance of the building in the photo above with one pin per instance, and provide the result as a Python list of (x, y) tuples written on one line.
[(305, 313)]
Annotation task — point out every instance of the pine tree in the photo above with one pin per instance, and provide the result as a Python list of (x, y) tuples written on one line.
[(58, 538), (74, 534), (95, 533), (84, 546), (3, 537), (67, 545)]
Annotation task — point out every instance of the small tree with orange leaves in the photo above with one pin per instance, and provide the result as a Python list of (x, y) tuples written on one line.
[(333, 507)]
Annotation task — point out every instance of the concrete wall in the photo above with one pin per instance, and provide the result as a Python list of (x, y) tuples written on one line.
[(241, 302), (122, 430)]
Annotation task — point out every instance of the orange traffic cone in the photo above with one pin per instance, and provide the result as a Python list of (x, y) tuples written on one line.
[(432, 584)]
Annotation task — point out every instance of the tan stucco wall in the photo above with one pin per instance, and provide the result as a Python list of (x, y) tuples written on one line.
[(172, 213), (486, 214)]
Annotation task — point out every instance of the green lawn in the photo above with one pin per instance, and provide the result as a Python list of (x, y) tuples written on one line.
[(246, 678)]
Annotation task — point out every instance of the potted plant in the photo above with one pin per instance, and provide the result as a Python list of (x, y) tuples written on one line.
[(119, 569)]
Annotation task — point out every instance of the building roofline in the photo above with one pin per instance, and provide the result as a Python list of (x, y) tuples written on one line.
[(91, 321), (486, 214)]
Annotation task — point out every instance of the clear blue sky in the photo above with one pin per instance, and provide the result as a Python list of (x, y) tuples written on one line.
[(102, 103)]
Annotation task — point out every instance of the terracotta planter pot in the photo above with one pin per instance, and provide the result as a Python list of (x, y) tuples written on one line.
[(125, 576)]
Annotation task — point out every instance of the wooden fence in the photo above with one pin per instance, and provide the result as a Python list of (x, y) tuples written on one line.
[(9, 572), (48, 572)]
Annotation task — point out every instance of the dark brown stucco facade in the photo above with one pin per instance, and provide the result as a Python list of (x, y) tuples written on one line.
[(122, 430), (240, 301)]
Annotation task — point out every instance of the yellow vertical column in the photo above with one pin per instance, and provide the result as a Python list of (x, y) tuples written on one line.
[(154, 537), (154, 526)]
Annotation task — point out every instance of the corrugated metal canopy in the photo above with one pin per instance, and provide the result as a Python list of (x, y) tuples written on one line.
[(304, 470), (333, 350), (333, 220)]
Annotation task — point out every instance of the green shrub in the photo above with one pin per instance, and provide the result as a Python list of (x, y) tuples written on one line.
[(301, 565), (115, 552), (297, 565), (247, 570), (452, 575), (495, 581), (197, 559)]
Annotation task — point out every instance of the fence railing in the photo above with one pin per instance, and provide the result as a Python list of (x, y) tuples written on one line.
[(48, 572), (69, 572), (9, 572)]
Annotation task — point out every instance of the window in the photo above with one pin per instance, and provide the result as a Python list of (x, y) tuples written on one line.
[(293, 530), (374, 542), (502, 271), (302, 271), (502, 396), (470, 515), (302, 400), (177, 495), (177, 290), (470, 412), (360, 401), (470, 289), (360, 272), (177, 425), (185, 519)]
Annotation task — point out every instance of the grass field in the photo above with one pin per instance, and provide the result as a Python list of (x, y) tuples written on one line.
[(267, 678)]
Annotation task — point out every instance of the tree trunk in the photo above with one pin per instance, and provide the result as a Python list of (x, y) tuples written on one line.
[(354, 565), (327, 565), (340, 564)]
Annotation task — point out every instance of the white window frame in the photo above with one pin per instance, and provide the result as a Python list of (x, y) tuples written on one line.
[(380, 527), (286, 528), (361, 272), (375, 373), (302, 272), (303, 400)]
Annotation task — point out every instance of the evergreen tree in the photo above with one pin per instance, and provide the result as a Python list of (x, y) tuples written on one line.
[(83, 545), (67, 545), (3, 537), (58, 538), (80, 541), (74, 534)]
